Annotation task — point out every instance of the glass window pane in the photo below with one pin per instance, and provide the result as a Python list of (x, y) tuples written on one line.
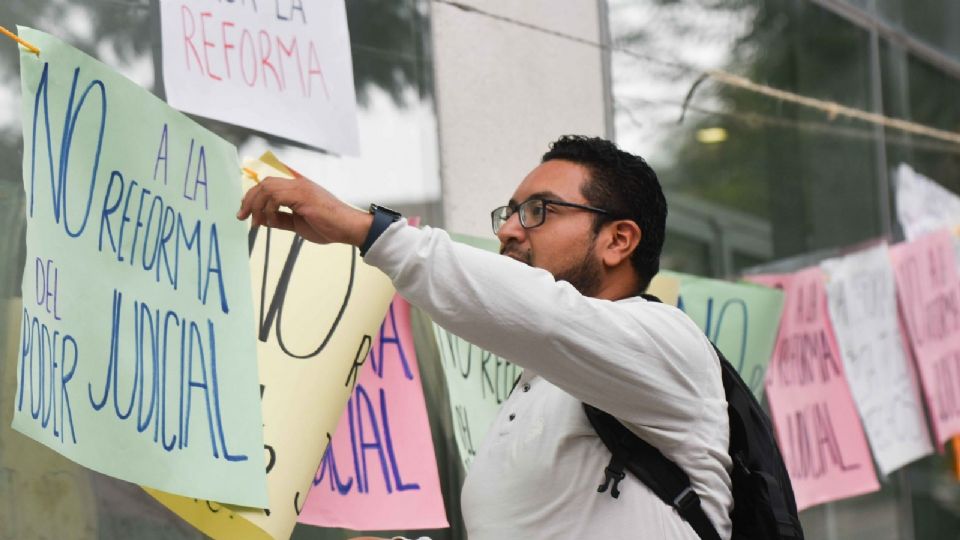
[(933, 22), (688, 255), (801, 171)]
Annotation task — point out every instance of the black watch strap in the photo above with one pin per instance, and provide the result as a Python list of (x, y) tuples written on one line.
[(382, 218)]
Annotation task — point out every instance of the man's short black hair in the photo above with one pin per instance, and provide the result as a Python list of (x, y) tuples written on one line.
[(624, 185)]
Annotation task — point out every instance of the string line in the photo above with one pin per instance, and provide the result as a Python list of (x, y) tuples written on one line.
[(831, 108)]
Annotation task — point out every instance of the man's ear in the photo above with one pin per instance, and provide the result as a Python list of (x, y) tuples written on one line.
[(622, 238)]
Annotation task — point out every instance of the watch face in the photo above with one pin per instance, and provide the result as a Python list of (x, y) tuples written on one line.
[(385, 210)]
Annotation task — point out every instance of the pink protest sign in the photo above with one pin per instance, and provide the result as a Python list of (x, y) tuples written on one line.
[(379, 471), (929, 290), (819, 432), (774, 281)]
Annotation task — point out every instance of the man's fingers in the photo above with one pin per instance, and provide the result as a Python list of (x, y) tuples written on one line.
[(263, 203), (246, 201), (269, 196), (275, 180), (271, 207), (283, 220), (301, 206), (257, 202), (254, 200)]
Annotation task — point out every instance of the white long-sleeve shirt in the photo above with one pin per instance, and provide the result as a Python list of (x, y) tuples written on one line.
[(536, 473)]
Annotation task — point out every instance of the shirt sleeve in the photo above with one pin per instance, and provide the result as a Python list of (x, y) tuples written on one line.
[(643, 362)]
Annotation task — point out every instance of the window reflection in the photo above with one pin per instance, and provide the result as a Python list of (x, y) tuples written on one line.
[(799, 172)]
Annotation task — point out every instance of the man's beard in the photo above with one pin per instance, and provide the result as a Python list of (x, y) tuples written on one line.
[(585, 276)]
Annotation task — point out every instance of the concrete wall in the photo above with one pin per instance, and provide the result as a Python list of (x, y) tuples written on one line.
[(504, 92)]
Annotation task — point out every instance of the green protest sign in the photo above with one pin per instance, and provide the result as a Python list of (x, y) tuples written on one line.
[(740, 318), (478, 382), (137, 355)]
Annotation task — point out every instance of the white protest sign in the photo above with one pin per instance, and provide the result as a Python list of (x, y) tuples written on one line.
[(281, 67), (923, 206), (863, 309)]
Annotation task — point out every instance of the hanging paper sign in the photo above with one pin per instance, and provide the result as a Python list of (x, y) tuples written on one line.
[(862, 301), (819, 432), (773, 281), (741, 319), (280, 67), (137, 358), (923, 206), (478, 382), (379, 472), (929, 290), (666, 287), (320, 308)]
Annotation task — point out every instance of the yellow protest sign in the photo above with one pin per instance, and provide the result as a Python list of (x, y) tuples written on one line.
[(319, 308), (665, 287)]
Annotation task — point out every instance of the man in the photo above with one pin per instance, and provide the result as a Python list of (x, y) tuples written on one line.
[(582, 236)]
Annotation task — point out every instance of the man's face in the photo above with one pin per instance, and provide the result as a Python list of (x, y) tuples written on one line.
[(564, 244)]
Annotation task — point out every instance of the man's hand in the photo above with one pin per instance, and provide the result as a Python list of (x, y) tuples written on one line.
[(302, 206)]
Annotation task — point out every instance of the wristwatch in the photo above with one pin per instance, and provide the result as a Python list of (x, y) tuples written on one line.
[(383, 217)]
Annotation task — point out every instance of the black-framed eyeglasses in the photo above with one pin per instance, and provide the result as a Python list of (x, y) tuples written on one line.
[(532, 212)]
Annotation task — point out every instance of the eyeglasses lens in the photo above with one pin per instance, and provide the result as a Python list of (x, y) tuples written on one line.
[(498, 217), (532, 213)]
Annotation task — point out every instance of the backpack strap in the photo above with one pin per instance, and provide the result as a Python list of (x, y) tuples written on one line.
[(664, 477)]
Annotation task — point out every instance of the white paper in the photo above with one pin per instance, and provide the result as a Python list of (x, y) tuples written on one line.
[(863, 308), (923, 205), (281, 67)]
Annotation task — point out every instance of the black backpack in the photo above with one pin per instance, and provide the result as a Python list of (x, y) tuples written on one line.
[(763, 502)]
